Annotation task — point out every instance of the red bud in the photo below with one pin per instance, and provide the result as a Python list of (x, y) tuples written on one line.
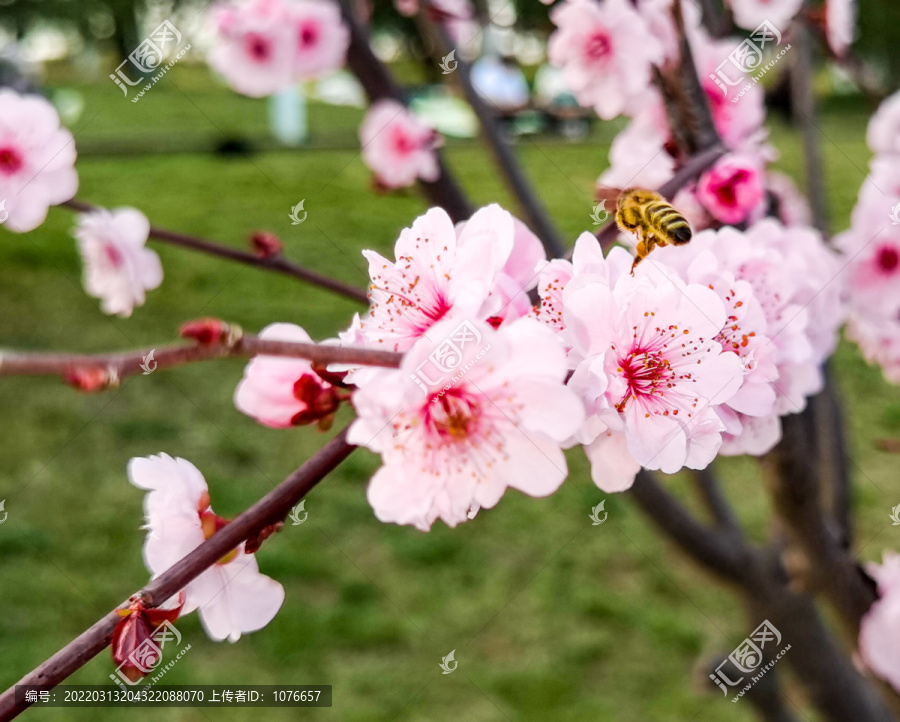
[(266, 244), (90, 379), (205, 331), (321, 399)]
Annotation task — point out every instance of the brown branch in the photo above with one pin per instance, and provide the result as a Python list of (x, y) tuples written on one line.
[(273, 507), (719, 551), (529, 204), (804, 105), (797, 491), (272, 263), (379, 84), (120, 365), (714, 499), (835, 686)]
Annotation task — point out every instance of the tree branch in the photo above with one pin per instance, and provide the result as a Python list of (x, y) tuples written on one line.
[(720, 552), (804, 105), (715, 500), (273, 507), (378, 83), (797, 494), (120, 365), (529, 204), (273, 263)]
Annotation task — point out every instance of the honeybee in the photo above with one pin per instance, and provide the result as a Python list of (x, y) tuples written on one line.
[(652, 220)]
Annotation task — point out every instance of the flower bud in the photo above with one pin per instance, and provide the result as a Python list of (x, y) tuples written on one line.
[(266, 245), (205, 331)]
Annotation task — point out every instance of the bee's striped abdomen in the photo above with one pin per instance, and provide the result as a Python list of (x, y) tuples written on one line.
[(667, 223)]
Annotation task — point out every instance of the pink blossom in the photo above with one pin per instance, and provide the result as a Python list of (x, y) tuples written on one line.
[(588, 265), (436, 275), (873, 290), (880, 626), (37, 160), (179, 519), (744, 334), (321, 39), (398, 147), (877, 331), (637, 156), (740, 123), (519, 276), (658, 16), (282, 392), (883, 134), (118, 268), (265, 46), (875, 271), (791, 206), (469, 414), (797, 281), (648, 366), (606, 52), (840, 25), (879, 196), (254, 46), (749, 14), (732, 190)]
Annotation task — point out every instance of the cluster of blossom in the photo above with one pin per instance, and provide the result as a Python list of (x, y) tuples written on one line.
[(607, 50), (265, 46), (871, 247), (699, 353)]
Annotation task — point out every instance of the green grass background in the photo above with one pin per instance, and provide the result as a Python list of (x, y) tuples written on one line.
[(551, 618)]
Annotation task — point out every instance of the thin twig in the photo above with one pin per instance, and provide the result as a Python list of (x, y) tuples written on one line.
[(804, 105), (273, 507), (528, 202), (120, 365), (272, 263), (379, 84), (714, 499)]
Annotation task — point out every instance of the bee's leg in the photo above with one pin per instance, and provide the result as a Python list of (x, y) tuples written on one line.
[(643, 249)]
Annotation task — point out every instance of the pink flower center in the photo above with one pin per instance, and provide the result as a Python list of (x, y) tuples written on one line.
[(10, 160), (113, 255), (598, 47), (309, 35), (727, 192), (257, 47), (887, 259), (403, 142), (648, 373), (453, 415)]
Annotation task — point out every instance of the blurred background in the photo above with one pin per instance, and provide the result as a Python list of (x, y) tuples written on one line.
[(551, 618)]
